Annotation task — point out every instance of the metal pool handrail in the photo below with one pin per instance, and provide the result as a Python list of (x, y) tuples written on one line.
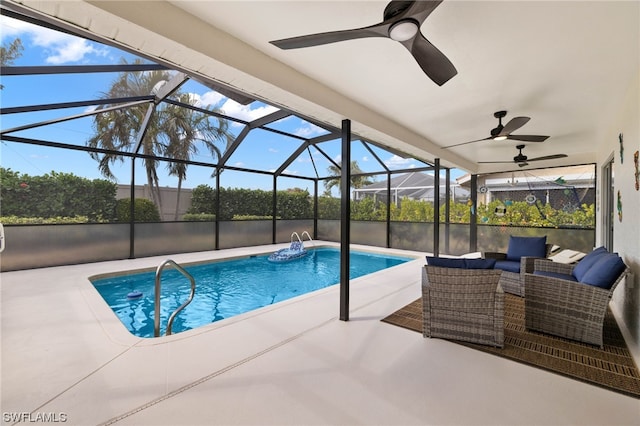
[(156, 319)]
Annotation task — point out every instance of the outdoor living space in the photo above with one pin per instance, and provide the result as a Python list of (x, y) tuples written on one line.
[(134, 133), (65, 353)]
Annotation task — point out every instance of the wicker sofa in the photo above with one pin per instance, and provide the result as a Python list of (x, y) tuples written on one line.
[(558, 304), (518, 260), (463, 304)]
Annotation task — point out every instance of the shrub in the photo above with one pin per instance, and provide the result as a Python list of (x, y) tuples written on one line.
[(56, 195), (251, 217), (241, 202), (145, 210), (199, 217), (328, 208), (15, 220), (203, 198)]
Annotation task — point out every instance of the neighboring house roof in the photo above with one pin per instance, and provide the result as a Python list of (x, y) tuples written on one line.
[(414, 185), (552, 178)]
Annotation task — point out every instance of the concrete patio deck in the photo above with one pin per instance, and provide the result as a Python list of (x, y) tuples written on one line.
[(66, 356)]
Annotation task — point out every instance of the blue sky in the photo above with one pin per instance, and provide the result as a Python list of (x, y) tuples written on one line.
[(262, 150)]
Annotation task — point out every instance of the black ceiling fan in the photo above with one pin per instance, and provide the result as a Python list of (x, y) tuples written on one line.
[(402, 21), (522, 160), (501, 132)]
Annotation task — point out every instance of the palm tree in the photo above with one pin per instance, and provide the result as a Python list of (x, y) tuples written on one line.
[(9, 53), (356, 181), (188, 131), (172, 131), (118, 129)]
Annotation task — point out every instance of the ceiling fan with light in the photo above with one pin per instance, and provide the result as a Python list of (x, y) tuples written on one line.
[(522, 160), (402, 22), (501, 132)]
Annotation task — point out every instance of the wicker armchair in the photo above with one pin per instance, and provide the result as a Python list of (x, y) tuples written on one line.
[(463, 304), (513, 282), (564, 308)]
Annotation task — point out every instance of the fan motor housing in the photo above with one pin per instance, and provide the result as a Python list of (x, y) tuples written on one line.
[(520, 158), (396, 7)]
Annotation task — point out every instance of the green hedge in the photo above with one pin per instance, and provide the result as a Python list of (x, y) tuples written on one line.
[(199, 217), (255, 203), (15, 220), (56, 195), (145, 210), (65, 198)]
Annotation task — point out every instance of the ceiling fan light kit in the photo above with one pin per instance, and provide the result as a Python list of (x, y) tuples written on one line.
[(403, 30)]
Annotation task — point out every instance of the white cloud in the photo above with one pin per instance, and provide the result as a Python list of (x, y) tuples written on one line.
[(396, 162), (210, 98), (365, 159), (309, 131), (245, 112), (72, 50), (230, 107), (59, 48), (272, 150)]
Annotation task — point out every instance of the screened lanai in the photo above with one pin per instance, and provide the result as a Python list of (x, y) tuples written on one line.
[(191, 145), (128, 120)]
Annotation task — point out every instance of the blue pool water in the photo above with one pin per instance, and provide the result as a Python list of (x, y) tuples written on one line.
[(228, 288)]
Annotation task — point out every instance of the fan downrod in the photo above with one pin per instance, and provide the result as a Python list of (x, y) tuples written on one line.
[(499, 115)]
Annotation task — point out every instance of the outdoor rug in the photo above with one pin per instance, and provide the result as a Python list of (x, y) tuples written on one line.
[(612, 368)]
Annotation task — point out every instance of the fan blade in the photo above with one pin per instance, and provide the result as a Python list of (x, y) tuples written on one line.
[(514, 125), (432, 61), (524, 163), (528, 138), (548, 157), (465, 143), (419, 10), (377, 30)]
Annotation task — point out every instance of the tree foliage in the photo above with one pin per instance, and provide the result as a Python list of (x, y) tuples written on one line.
[(169, 131), (144, 210), (356, 181), (516, 214), (56, 195), (241, 202), (63, 197), (9, 53)]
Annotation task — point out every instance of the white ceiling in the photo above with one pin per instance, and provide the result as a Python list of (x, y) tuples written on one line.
[(568, 65)]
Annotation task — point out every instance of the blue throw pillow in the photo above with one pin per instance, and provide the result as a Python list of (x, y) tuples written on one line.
[(605, 271), (587, 262), (480, 263), (526, 246), (556, 275), (445, 262), (508, 265)]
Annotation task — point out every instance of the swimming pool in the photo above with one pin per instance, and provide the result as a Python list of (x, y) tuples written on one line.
[(229, 287)]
